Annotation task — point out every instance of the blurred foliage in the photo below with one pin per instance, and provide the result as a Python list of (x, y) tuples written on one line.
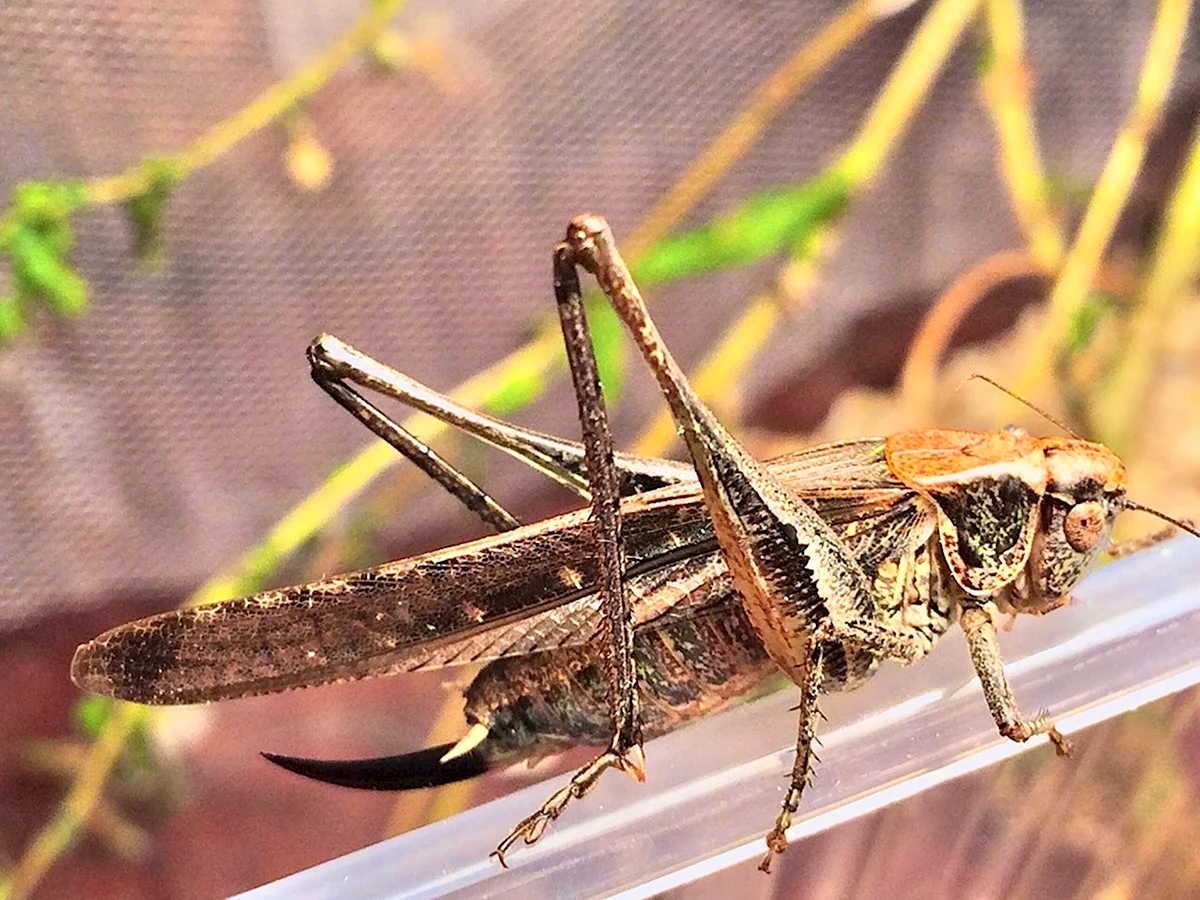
[(776, 220), (37, 237), (92, 713), (1097, 308), (146, 208), (36, 233)]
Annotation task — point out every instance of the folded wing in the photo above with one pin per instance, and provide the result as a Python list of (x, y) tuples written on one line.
[(525, 590)]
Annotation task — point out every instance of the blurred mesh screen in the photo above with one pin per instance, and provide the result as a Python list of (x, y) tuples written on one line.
[(146, 443)]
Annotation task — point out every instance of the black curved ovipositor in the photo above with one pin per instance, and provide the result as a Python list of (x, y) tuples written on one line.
[(406, 772)]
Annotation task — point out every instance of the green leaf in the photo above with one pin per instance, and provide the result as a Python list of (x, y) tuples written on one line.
[(518, 392), (146, 209), (47, 202), (1097, 307), (11, 320), (92, 713), (985, 57), (37, 236), (41, 273), (609, 343), (761, 226)]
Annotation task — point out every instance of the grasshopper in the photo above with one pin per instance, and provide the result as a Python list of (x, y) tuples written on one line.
[(674, 592)]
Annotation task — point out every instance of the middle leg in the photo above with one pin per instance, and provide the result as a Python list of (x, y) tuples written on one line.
[(802, 766)]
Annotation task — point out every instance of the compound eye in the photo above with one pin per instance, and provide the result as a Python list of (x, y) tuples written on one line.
[(1084, 525)]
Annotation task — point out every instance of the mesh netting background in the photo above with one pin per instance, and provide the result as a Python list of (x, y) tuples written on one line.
[(146, 443)]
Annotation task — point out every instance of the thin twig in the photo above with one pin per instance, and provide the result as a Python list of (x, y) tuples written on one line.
[(73, 813), (264, 110), (1006, 96)]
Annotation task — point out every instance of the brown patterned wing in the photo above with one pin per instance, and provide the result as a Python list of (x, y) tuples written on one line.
[(520, 592), (376, 621), (850, 485)]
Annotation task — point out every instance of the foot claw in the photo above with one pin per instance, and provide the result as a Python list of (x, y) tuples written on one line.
[(1062, 746), (777, 842), (532, 828), (536, 829), (633, 763)]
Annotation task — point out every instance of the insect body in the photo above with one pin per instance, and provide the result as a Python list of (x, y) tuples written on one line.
[(680, 589)]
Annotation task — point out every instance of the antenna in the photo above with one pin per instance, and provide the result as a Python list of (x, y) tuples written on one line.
[(1181, 524), (1037, 409)]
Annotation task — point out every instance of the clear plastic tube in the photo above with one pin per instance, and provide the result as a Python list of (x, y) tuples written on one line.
[(713, 789)]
